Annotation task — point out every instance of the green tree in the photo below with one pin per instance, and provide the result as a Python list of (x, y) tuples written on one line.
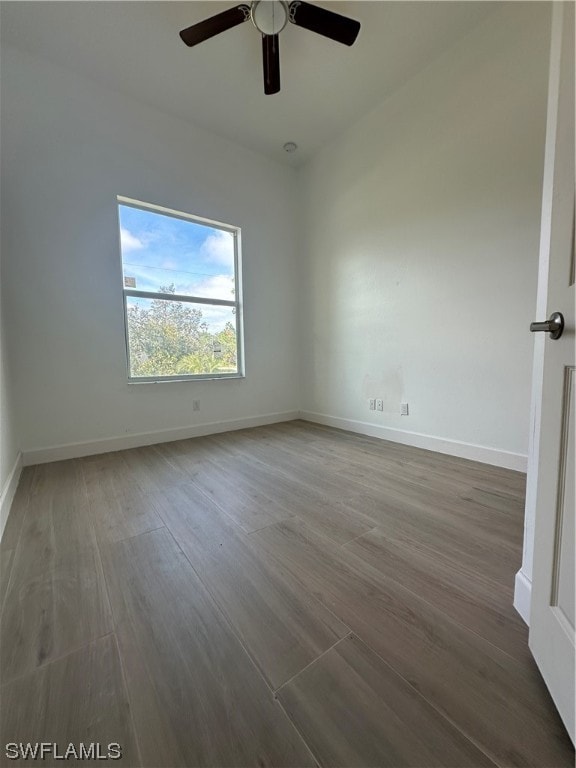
[(227, 342), (170, 337)]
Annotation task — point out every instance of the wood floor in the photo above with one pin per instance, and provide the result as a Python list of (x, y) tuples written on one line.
[(289, 595)]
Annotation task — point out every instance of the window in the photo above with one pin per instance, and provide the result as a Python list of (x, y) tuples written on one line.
[(181, 294)]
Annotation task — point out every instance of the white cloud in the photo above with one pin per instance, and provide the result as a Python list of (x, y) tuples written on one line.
[(214, 287), (219, 248), (216, 317), (129, 241)]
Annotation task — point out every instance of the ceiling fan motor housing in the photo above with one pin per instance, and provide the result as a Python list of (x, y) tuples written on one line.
[(269, 16)]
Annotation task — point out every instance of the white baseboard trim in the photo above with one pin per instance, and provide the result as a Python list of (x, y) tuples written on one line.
[(92, 447), (522, 595), (505, 459), (452, 447), (8, 491)]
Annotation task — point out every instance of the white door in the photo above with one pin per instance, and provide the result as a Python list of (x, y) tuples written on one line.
[(553, 591)]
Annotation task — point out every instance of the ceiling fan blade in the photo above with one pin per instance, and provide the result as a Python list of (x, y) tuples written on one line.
[(271, 61), (197, 33), (324, 22)]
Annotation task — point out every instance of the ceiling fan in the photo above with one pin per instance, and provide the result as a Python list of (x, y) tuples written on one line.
[(270, 17)]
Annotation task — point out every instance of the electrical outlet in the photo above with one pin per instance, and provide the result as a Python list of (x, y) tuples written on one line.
[(379, 405), (403, 409), (195, 405), (372, 404)]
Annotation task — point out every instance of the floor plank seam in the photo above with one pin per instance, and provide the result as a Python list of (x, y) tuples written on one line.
[(361, 536), (366, 483), (121, 663), (447, 617), (55, 660), (220, 507), (284, 473), (304, 587), (299, 732), (470, 574), (263, 528), (290, 679), (454, 563), (459, 728), (137, 535), (116, 643), (255, 665), (129, 700), (221, 611)]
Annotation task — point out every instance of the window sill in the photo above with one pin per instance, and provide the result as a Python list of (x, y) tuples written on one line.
[(176, 379)]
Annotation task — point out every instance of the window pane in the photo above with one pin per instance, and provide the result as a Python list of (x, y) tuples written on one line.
[(176, 338), (163, 254)]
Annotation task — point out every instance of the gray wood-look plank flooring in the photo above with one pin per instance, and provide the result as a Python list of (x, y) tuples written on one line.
[(288, 595), (355, 710), (282, 626), (196, 696), (56, 599), (76, 700)]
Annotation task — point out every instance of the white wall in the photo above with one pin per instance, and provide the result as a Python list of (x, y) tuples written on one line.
[(10, 458), (418, 245), (422, 225), (9, 453), (70, 147), (8, 445)]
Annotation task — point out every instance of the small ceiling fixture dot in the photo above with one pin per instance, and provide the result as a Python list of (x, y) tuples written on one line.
[(290, 146)]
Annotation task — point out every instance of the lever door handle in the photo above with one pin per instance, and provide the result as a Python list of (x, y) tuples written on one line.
[(554, 325)]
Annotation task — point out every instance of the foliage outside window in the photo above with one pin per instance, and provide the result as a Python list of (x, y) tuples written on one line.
[(181, 297)]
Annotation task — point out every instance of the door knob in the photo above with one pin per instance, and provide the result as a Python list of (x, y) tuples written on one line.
[(554, 325)]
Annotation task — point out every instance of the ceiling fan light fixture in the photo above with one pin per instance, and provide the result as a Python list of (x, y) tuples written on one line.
[(269, 16)]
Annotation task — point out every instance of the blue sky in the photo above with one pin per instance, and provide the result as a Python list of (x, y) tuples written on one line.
[(159, 250)]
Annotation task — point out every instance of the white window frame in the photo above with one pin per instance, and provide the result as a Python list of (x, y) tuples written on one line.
[(236, 303)]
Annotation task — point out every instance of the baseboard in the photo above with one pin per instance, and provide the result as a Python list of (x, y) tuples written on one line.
[(8, 491), (480, 453), (485, 455), (523, 595), (92, 447)]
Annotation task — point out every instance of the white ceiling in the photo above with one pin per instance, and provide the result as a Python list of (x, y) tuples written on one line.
[(134, 47)]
